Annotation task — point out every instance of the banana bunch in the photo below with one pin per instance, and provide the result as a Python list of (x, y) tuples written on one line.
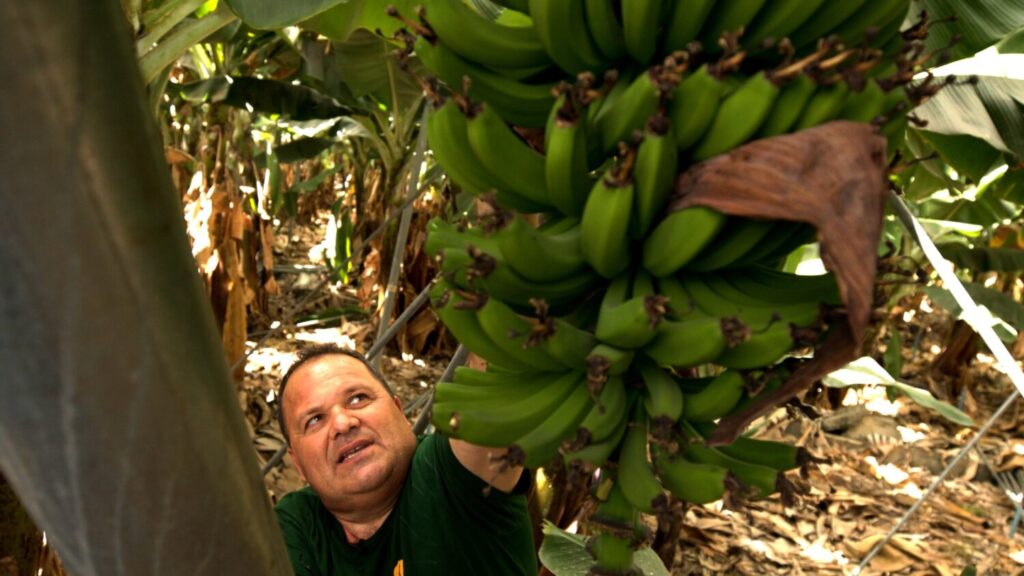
[(571, 120)]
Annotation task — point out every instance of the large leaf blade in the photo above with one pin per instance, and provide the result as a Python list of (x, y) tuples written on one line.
[(120, 429), (273, 14), (989, 110)]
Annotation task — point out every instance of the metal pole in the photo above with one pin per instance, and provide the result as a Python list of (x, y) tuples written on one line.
[(981, 321), (403, 233), (458, 359)]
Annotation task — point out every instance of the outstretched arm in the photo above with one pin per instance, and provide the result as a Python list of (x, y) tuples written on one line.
[(487, 463)]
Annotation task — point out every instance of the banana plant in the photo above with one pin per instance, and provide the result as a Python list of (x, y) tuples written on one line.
[(121, 431)]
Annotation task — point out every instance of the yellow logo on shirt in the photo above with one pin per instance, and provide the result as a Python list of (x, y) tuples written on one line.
[(399, 569)]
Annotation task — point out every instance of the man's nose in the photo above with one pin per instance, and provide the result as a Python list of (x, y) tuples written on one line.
[(343, 420)]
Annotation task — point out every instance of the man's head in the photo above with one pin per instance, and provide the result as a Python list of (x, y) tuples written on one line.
[(347, 434)]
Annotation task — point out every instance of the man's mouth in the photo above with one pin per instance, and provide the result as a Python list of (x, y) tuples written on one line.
[(352, 449)]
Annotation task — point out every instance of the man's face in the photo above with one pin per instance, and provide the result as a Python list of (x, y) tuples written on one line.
[(349, 438)]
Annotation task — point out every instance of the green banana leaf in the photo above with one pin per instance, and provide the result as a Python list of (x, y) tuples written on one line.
[(992, 110), (565, 554), (366, 64), (265, 96), (866, 371), (980, 23), (966, 154), (272, 14), (343, 19), (120, 428), (1008, 313), (984, 259)]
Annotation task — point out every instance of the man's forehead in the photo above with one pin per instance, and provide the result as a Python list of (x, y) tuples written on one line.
[(336, 369)]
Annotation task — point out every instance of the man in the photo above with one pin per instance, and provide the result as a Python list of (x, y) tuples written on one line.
[(381, 501)]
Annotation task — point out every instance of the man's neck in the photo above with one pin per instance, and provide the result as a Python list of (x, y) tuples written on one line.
[(364, 524)]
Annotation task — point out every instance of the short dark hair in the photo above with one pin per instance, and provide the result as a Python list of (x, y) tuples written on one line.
[(307, 355)]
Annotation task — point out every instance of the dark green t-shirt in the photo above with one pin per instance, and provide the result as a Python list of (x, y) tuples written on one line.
[(443, 523)]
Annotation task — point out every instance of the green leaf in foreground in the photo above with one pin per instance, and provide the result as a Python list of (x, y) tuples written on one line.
[(565, 554), (1007, 313), (866, 370), (271, 14)]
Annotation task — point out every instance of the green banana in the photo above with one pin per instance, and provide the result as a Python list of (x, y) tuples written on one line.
[(889, 38), (514, 334), (605, 28), (690, 342), (679, 237), (784, 287), (825, 105), (688, 481), (654, 174), (764, 347), (517, 5), (718, 284), (716, 400), (491, 275), (866, 105), (446, 132), (694, 104), (628, 322), (664, 400), (443, 235), (481, 40), (500, 389), (641, 20), (635, 474), (790, 104), (604, 227), (612, 549), (562, 29), (608, 412), (540, 444), (501, 421), (776, 455), (685, 23), (510, 161), (568, 344), (540, 257), (495, 379), (615, 360), (460, 319), (761, 481), (757, 317), (739, 237), (565, 160), (779, 239), (680, 304), (517, 102), (597, 453), (728, 16), (739, 116), (778, 19), (876, 15), (630, 110), (824, 20)]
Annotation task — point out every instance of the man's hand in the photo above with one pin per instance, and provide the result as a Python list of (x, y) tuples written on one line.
[(487, 463)]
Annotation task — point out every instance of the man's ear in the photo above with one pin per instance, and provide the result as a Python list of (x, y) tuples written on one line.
[(295, 462)]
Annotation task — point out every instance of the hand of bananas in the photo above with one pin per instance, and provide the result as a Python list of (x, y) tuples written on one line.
[(589, 321)]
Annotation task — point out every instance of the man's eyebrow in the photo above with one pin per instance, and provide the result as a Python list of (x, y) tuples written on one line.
[(346, 389)]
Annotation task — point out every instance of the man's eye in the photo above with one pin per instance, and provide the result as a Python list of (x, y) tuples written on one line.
[(312, 420), (358, 398)]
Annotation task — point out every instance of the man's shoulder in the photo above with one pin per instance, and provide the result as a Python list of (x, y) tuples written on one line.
[(301, 502)]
